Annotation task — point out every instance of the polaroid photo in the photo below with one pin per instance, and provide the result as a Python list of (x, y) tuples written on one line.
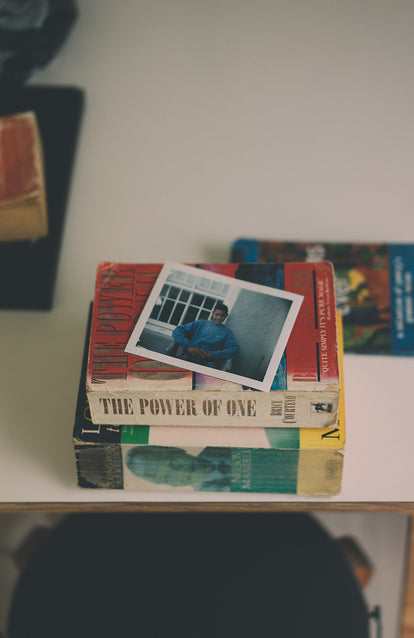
[(215, 325)]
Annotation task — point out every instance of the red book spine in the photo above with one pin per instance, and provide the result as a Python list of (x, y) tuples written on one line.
[(19, 165), (121, 292), (311, 353)]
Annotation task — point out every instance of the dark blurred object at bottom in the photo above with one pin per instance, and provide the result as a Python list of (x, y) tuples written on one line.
[(194, 575)]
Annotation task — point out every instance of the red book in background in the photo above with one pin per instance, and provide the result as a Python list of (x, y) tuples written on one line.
[(31, 266), (23, 210)]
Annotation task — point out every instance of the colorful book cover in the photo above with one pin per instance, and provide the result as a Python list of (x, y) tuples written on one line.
[(118, 457), (129, 389), (271, 460), (209, 469), (374, 286)]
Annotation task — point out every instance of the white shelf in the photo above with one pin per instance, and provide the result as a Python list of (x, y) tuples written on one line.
[(205, 122)]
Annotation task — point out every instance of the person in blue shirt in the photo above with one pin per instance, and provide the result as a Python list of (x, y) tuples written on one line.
[(207, 341)]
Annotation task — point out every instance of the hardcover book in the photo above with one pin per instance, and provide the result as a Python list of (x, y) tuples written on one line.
[(23, 210), (303, 461), (132, 390), (374, 288), (31, 266)]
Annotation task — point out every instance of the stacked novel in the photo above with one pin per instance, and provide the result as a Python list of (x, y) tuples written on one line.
[(146, 425)]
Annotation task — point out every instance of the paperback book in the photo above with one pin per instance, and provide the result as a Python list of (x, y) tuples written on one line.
[(23, 210), (128, 389), (374, 286), (305, 461)]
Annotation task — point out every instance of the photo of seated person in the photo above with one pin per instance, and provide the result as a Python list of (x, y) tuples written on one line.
[(206, 341)]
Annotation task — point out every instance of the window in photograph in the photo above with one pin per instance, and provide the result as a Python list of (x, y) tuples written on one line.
[(176, 305)]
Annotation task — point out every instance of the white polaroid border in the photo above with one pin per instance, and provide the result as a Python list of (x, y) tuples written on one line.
[(133, 346)]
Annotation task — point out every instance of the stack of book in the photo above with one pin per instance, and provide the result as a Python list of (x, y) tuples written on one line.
[(146, 425)]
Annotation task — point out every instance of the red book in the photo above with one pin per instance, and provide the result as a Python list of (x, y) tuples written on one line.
[(23, 213), (128, 389)]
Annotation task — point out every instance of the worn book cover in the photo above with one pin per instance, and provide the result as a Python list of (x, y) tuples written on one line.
[(23, 209), (374, 287), (273, 460), (31, 266), (129, 389)]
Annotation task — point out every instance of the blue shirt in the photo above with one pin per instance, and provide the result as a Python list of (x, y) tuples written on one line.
[(205, 334)]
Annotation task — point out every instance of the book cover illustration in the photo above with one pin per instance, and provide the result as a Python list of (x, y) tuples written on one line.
[(373, 283), (128, 389)]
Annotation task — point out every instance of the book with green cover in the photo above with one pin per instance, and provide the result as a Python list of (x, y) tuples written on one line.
[(107, 463)]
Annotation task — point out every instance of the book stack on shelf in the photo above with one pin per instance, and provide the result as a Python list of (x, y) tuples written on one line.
[(144, 424)]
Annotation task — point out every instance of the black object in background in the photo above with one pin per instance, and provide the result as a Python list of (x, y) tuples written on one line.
[(29, 268), (189, 575), (31, 34)]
